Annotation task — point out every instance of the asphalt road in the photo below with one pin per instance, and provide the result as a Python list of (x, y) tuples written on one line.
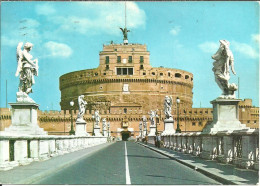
[(111, 165)]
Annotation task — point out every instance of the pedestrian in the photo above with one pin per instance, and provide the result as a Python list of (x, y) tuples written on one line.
[(158, 140), (155, 141), (146, 139)]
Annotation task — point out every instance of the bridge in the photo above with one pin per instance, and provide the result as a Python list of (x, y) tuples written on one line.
[(97, 160)]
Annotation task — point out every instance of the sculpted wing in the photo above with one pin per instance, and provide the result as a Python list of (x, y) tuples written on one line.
[(19, 56)]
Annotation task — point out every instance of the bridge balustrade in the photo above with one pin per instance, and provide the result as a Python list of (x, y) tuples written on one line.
[(15, 151), (240, 147)]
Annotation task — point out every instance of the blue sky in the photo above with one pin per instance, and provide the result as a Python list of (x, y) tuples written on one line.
[(68, 36)]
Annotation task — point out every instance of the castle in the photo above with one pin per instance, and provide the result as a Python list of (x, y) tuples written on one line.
[(124, 88)]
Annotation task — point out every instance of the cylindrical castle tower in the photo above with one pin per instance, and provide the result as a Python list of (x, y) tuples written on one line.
[(126, 84)]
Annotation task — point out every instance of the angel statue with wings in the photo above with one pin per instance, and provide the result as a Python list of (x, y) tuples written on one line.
[(82, 108), (26, 67), (168, 107)]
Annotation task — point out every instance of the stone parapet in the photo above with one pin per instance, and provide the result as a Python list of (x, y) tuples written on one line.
[(22, 150)]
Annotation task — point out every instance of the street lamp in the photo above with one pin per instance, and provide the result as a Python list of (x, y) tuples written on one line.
[(178, 130), (93, 117), (71, 132), (108, 128)]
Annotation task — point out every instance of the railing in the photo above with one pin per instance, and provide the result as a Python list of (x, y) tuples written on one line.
[(15, 151), (239, 147)]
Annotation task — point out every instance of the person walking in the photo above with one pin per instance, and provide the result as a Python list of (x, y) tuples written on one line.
[(158, 139)]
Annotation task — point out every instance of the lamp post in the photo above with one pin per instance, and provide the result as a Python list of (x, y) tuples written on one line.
[(108, 128), (71, 132), (93, 117), (178, 130)]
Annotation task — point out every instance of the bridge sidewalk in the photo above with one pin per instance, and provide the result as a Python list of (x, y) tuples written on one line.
[(224, 173), (37, 170)]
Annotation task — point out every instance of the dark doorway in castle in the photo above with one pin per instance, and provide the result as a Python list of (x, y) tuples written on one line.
[(125, 135)]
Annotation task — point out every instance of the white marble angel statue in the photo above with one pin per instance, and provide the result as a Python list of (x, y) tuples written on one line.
[(168, 107), (97, 117), (152, 114), (144, 122), (26, 67), (82, 108), (224, 60)]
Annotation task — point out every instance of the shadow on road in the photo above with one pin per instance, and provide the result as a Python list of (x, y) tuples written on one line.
[(192, 181)]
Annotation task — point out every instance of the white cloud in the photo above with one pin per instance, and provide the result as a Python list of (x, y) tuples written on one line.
[(209, 47), (5, 41), (44, 9), (55, 49), (255, 37), (245, 49), (175, 31), (101, 17)]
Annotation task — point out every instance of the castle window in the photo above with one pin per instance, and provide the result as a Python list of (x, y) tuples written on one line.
[(105, 74), (191, 79), (96, 74), (200, 123), (153, 73), (107, 67), (125, 110), (130, 58), (178, 75), (169, 74), (118, 71), (186, 77), (100, 87), (255, 121), (119, 59), (124, 71), (107, 59), (144, 73), (115, 49), (193, 124), (141, 67), (130, 71), (141, 59), (248, 121), (161, 74)]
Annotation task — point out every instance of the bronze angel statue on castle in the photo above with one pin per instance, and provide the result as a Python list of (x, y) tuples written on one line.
[(26, 67)]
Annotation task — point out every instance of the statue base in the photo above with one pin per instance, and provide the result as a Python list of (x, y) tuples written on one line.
[(225, 116), (24, 120), (97, 131), (22, 97), (168, 127), (81, 128), (152, 130), (125, 42)]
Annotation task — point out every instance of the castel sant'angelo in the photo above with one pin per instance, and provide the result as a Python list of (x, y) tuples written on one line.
[(124, 88)]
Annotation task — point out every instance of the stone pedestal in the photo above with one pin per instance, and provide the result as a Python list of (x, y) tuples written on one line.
[(152, 130), (24, 120), (225, 116), (81, 128), (168, 127), (97, 131)]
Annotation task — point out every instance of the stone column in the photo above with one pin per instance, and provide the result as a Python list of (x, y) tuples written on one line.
[(248, 151)]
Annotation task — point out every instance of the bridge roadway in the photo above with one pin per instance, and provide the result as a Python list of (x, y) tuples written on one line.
[(126, 163)]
